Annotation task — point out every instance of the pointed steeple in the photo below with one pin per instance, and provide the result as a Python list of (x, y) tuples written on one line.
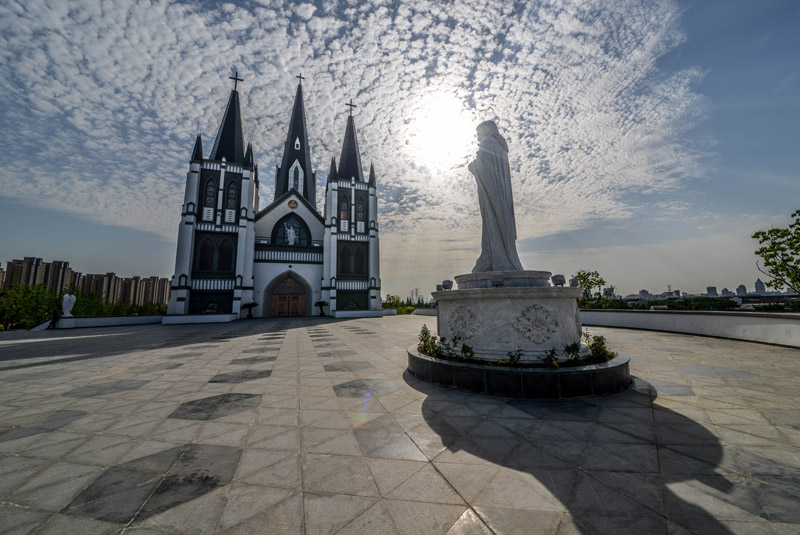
[(332, 172), (350, 160), (197, 153), (296, 162), (371, 174), (248, 156), (229, 141)]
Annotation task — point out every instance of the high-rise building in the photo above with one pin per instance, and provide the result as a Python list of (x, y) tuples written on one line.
[(761, 289), (741, 290), (711, 291), (26, 272), (2, 277), (726, 292), (57, 276), (287, 256)]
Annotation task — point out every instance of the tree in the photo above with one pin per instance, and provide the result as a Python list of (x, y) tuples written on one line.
[(780, 254), (589, 280)]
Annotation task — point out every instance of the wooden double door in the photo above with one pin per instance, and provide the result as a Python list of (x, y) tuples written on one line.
[(288, 299)]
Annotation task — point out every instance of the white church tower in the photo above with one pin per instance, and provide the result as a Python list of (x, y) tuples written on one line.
[(351, 280), (214, 259)]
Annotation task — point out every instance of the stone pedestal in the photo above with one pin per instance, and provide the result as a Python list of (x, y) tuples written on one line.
[(502, 312)]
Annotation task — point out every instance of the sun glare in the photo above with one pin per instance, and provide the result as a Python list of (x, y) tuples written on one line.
[(442, 133)]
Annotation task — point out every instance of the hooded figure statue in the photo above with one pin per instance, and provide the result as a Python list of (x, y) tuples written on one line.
[(492, 173)]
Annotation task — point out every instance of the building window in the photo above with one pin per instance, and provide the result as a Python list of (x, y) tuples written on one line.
[(226, 260), (296, 178), (205, 256), (291, 231), (211, 192), (232, 196), (359, 262), (360, 210), (344, 209), (344, 261), (297, 143)]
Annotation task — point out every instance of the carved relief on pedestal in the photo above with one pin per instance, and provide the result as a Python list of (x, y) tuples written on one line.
[(463, 322), (578, 322), (536, 323)]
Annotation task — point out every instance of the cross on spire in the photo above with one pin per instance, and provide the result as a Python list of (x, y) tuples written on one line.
[(236, 79), (301, 77), (351, 105)]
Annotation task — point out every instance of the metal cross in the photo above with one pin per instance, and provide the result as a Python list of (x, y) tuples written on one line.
[(236, 79), (351, 105), (301, 77)]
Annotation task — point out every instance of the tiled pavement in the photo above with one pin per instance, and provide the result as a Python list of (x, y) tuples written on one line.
[(312, 426)]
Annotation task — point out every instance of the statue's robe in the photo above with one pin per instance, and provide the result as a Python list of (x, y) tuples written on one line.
[(499, 234)]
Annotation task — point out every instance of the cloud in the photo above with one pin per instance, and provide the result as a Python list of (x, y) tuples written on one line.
[(100, 103)]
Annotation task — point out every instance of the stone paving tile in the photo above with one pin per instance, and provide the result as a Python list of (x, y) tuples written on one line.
[(173, 430)]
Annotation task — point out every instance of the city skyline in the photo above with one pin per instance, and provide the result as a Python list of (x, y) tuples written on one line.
[(647, 142)]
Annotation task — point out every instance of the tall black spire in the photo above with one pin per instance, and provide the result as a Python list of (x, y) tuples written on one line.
[(371, 175), (248, 156), (350, 160), (295, 165), (197, 153), (229, 141), (332, 172)]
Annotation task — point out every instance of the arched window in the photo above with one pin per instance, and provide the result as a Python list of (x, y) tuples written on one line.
[(360, 266), (344, 261), (296, 178), (226, 260), (299, 235), (232, 196), (205, 256), (360, 210), (211, 193), (344, 209)]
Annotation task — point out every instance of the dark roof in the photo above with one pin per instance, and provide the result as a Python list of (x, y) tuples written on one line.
[(350, 160), (229, 141), (297, 131), (197, 153), (371, 175), (277, 202)]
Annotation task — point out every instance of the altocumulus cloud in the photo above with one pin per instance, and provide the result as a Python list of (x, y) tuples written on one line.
[(101, 102)]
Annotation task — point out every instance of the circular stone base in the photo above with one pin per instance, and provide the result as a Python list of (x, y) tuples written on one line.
[(529, 383)]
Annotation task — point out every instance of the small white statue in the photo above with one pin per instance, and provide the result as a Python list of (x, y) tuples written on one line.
[(290, 235), (66, 305), (493, 175)]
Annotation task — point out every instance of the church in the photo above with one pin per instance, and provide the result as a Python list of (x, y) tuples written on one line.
[(289, 258)]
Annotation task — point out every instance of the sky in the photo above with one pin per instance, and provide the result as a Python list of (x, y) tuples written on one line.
[(648, 139)]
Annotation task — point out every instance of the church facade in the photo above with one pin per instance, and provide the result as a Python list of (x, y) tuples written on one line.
[(235, 257)]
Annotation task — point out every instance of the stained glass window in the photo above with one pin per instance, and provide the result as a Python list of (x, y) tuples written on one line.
[(344, 208), (360, 210), (211, 192), (296, 178), (232, 196)]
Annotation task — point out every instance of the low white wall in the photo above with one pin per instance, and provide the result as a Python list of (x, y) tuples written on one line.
[(198, 318), (358, 314), (426, 311), (390, 312), (781, 329), (104, 321)]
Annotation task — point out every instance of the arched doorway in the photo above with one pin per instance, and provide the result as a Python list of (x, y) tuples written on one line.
[(287, 298)]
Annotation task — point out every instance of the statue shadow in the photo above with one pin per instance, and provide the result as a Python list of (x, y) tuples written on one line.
[(608, 462)]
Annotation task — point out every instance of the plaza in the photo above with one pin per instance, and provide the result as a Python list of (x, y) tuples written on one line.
[(313, 425)]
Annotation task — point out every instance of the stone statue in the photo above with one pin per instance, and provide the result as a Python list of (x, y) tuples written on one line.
[(492, 173), (290, 235), (66, 305)]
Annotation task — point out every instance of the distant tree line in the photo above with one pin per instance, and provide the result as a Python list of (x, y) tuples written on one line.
[(24, 307)]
